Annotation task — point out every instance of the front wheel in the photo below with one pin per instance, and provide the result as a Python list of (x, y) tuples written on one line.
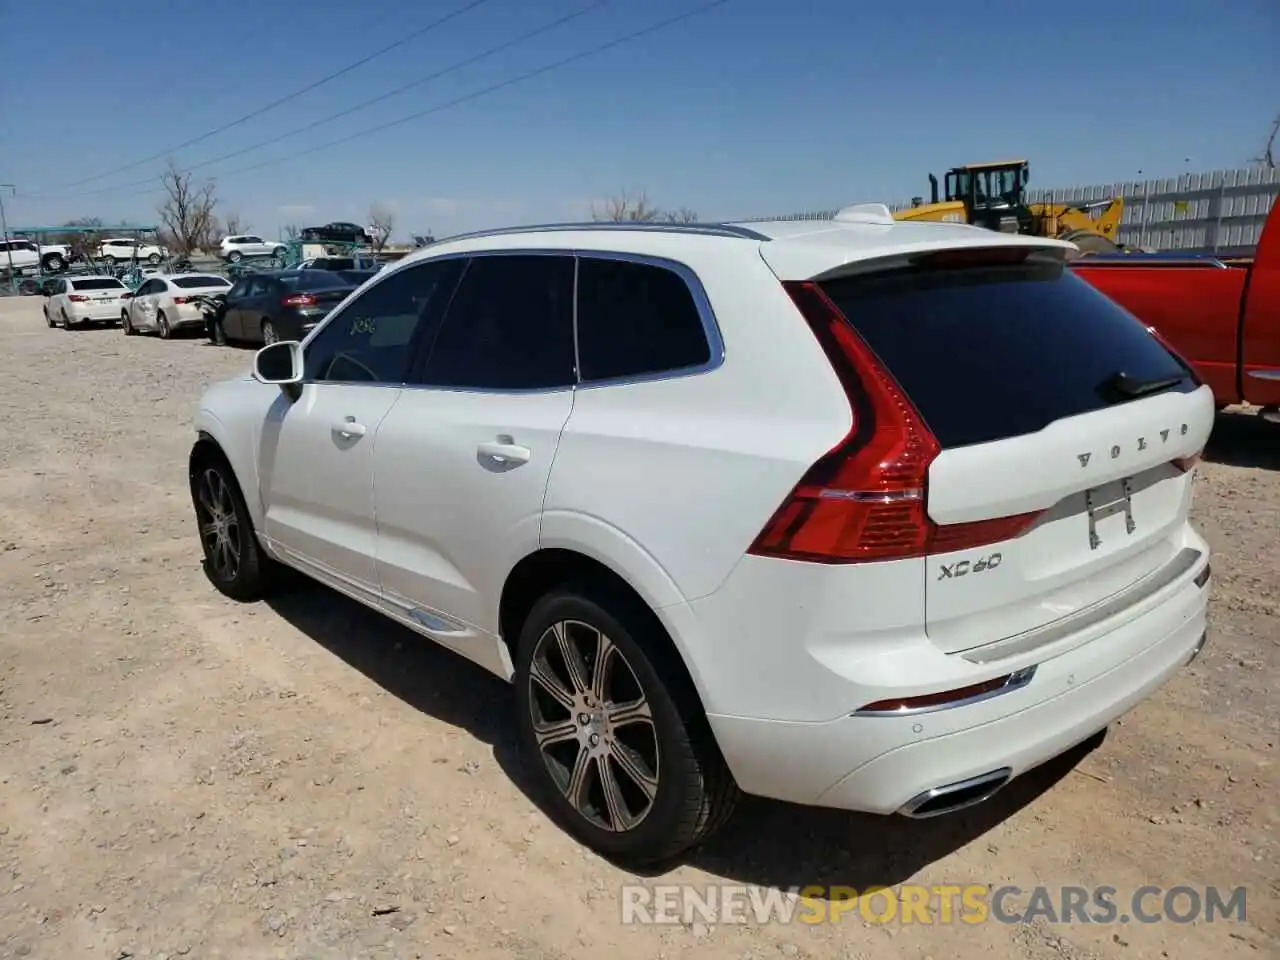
[(269, 334), (613, 729), (233, 559)]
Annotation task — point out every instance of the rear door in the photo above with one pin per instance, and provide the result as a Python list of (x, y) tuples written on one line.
[(464, 457), (232, 324), (1051, 404)]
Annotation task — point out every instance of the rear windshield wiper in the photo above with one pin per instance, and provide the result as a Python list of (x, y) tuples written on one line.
[(1120, 386)]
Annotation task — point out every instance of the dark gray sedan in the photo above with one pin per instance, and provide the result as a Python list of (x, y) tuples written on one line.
[(283, 305)]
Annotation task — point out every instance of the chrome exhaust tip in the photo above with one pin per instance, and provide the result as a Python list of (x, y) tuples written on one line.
[(951, 797)]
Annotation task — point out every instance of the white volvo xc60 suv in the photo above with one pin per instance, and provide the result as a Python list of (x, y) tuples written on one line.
[(859, 513)]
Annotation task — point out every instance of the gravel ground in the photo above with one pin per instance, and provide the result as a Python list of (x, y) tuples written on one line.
[(181, 776)]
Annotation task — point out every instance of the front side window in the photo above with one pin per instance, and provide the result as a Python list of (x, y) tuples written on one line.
[(636, 319), (509, 327), (372, 339)]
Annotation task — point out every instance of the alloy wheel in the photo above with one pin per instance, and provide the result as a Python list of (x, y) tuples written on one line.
[(269, 334), (593, 725), (220, 533)]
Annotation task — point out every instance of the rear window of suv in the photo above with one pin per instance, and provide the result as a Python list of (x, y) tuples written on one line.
[(991, 352), (192, 282), (103, 283)]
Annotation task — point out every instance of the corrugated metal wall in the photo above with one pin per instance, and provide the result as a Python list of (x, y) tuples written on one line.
[(1219, 211)]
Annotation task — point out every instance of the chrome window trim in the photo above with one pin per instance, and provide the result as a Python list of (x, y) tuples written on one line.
[(702, 303)]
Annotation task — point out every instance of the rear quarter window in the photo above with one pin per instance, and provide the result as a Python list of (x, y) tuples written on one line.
[(987, 353)]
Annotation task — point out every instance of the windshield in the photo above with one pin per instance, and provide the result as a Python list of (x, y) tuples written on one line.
[(312, 280)]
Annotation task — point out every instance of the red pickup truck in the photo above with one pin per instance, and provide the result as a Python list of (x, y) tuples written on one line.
[(1223, 317)]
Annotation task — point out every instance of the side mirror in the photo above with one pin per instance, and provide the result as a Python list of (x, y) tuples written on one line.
[(280, 363)]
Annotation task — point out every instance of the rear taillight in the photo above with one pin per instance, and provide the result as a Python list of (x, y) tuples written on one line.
[(299, 300), (865, 499), (126, 295), (77, 298)]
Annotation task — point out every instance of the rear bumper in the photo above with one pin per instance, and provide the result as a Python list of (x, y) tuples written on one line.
[(93, 313), (888, 763)]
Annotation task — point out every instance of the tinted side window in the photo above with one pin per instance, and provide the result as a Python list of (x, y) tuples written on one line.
[(510, 326), (636, 319), (237, 291), (372, 338), (987, 353)]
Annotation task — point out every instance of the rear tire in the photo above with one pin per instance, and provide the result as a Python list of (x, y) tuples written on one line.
[(269, 334), (66, 322), (233, 560), (162, 326), (668, 786), (154, 259), (48, 319), (125, 324), (235, 256)]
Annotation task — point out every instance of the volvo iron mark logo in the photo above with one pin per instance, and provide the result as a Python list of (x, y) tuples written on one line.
[(1140, 444)]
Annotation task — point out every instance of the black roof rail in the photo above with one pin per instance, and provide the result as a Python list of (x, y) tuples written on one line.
[(733, 231)]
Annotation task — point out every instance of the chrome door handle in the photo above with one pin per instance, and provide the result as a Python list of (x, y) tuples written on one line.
[(504, 450), (348, 429)]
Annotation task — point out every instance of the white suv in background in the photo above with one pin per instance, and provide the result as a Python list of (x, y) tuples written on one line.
[(126, 249), (860, 513), (235, 249)]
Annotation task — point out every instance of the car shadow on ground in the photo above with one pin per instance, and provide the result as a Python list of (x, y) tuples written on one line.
[(1241, 439), (766, 843)]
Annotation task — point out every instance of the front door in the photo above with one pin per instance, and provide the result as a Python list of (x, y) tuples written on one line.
[(319, 452), (465, 455)]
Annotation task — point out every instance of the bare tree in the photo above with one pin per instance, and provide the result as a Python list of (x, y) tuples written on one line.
[(86, 236), (1268, 158), (234, 224), (681, 215), (187, 214), (382, 220), (290, 232), (623, 208)]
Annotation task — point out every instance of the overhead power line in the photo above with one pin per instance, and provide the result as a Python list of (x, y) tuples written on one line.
[(494, 88), (434, 25), (421, 81), (466, 98)]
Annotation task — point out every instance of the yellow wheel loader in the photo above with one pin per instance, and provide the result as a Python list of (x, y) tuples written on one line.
[(993, 195)]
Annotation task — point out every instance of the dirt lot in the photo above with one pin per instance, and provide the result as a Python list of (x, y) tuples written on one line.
[(181, 776)]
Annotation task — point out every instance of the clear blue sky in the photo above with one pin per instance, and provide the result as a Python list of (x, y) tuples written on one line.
[(755, 107)]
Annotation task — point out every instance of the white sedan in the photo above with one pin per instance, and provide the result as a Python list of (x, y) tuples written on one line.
[(80, 300), (166, 303)]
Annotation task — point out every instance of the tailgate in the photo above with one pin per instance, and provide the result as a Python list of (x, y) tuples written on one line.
[(1049, 402)]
